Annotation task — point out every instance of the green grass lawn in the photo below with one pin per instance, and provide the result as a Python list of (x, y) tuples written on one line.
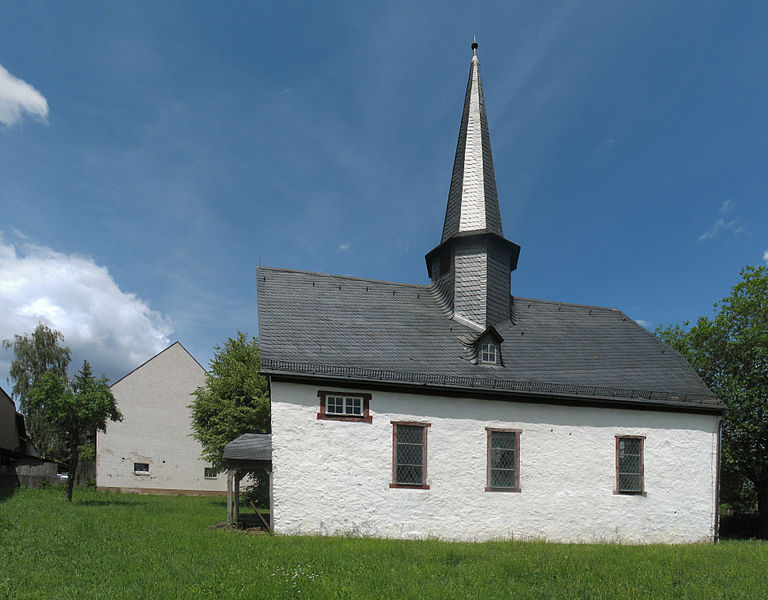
[(127, 546)]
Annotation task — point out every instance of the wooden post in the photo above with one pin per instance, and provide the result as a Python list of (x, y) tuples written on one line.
[(230, 476), (271, 505), (237, 495)]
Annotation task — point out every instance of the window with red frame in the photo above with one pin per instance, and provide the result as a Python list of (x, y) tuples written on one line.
[(344, 406), (629, 464), (409, 455), (503, 460)]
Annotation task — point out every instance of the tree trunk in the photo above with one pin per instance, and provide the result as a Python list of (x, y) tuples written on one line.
[(762, 510), (72, 471)]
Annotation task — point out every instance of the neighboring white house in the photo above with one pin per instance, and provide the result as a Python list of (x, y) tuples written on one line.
[(151, 449), (458, 410)]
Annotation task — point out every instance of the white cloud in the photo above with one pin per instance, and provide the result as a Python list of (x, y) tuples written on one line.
[(344, 247), (765, 257), (722, 224), (18, 97), (114, 330), (643, 323)]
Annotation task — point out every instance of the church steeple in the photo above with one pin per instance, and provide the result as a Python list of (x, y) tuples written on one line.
[(473, 203), (471, 266)]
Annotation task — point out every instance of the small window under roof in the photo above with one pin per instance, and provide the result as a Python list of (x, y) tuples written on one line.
[(488, 348), (489, 353)]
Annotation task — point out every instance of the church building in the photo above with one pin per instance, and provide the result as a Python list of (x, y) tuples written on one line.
[(461, 410)]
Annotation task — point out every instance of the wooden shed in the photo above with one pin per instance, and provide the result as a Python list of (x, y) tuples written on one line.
[(248, 453)]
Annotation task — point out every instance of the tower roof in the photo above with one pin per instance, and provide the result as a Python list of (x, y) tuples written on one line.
[(473, 202)]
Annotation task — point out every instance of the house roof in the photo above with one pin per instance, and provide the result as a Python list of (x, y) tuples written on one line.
[(314, 325), (249, 446)]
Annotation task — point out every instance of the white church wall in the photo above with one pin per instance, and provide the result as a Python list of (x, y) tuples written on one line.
[(156, 431), (333, 477)]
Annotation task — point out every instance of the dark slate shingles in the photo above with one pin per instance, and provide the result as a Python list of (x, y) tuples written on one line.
[(250, 446), (346, 322)]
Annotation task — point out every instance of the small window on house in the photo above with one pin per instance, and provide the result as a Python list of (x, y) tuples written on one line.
[(210, 473), (445, 263), (629, 464), (503, 460), (409, 455), (489, 353), (348, 406), (344, 407), (141, 468)]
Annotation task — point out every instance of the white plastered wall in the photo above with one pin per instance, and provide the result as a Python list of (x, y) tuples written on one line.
[(156, 430), (333, 477)]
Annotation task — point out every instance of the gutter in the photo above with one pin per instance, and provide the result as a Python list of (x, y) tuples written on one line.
[(437, 389)]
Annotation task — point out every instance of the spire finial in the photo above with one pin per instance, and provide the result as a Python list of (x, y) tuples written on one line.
[(474, 46)]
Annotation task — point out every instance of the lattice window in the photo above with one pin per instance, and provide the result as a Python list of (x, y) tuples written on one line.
[(410, 455), (629, 464), (503, 460)]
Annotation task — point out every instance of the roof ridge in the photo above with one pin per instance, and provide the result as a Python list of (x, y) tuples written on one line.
[(151, 358), (429, 286), (348, 277), (523, 299)]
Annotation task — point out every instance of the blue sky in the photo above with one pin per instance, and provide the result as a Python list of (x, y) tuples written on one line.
[(153, 154)]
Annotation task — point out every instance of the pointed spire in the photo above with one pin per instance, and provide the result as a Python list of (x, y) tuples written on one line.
[(470, 267), (473, 202)]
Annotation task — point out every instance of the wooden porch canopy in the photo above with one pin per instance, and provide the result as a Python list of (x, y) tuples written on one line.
[(249, 452)]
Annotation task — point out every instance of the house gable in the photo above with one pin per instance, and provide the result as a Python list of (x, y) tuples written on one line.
[(152, 448)]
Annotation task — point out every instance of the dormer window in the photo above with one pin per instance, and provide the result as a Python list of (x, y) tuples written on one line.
[(488, 348), (489, 353)]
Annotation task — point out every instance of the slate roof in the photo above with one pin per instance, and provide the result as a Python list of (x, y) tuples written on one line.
[(473, 201), (314, 325), (249, 446)]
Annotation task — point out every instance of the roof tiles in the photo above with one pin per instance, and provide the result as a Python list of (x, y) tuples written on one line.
[(313, 324)]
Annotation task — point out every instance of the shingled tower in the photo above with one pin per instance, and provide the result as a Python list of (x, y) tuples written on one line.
[(472, 264)]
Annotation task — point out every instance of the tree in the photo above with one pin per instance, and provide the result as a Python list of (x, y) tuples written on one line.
[(74, 409), (730, 353), (35, 354), (234, 399)]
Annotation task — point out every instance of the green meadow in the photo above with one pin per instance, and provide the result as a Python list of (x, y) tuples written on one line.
[(107, 545)]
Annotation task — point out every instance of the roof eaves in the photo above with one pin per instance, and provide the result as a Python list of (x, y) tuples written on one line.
[(649, 398)]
